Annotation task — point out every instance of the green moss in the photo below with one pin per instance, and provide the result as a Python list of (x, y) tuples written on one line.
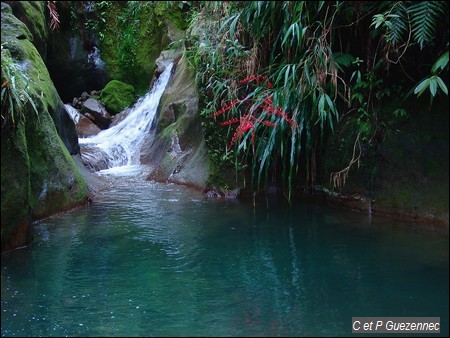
[(172, 14), (32, 13), (134, 34), (178, 18), (14, 27), (117, 96), (37, 81), (57, 184), (168, 132)]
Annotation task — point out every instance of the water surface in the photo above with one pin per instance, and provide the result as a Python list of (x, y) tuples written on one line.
[(147, 259)]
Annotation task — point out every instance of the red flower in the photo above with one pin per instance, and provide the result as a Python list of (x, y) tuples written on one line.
[(223, 110), (227, 123), (244, 126)]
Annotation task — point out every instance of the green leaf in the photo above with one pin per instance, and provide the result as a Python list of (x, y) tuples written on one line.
[(377, 20), (442, 85), (441, 63), (321, 104), (421, 87), (343, 59), (433, 86), (400, 112), (286, 75), (424, 18)]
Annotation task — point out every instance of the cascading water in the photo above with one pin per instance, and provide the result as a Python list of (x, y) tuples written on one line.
[(117, 150)]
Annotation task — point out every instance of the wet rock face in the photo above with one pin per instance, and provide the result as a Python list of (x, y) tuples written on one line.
[(178, 153), (38, 175), (95, 159), (405, 175), (85, 127)]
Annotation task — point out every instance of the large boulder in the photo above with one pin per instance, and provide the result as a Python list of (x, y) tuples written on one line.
[(118, 95), (38, 174), (17, 39), (178, 153)]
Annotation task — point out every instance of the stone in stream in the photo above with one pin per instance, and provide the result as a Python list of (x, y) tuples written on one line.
[(98, 113), (83, 125)]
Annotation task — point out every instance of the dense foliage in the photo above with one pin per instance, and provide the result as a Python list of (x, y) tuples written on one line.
[(279, 75)]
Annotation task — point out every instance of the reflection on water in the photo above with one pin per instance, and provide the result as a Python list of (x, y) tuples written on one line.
[(149, 259)]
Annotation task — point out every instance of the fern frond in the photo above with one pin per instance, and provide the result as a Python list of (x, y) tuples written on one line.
[(395, 21), (424, 18), (399, 20)]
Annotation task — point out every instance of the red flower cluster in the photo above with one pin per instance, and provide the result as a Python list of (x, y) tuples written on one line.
[(278, 111), (227, 123), (247, 122), (223, 110), (258, 79)]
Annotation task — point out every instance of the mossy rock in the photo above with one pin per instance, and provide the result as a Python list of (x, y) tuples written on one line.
[(178, 153), (32, 14), (117, 96), (16, 189), (38, 174), (12, 26)]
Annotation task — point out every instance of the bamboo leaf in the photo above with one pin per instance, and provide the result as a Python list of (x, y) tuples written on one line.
[(288, 33), (321, 104), (433, 86), (286, 75), (441, 63), (421, 87), (442, 85)]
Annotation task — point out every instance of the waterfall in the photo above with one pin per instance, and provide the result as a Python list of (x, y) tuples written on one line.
[(73, 113), (94, 59), (117, 150)]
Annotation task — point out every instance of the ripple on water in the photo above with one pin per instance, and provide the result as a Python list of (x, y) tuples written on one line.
[(137, 263)]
